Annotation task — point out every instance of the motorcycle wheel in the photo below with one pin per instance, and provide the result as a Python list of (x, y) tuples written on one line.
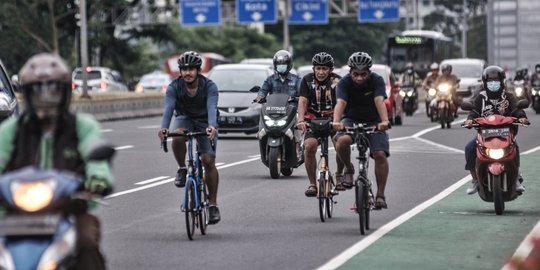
[(287, 171), (274, 162), (398, 121), (428, 111), (442, 117), (498, 200), (449, 119)]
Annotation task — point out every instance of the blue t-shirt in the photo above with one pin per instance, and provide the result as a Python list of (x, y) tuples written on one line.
[(201, 107), (361, 98), (274, 85)]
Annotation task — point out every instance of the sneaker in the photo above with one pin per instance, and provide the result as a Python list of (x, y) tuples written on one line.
[(519, 187), (213, 212), (473, 188), (180, 180)]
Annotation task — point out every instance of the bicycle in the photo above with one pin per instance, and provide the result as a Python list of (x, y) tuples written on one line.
[(195, 203), (322, 128), (364, 198)]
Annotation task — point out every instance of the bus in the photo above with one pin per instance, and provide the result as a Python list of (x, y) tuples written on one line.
[(209, 60), (420, 47)]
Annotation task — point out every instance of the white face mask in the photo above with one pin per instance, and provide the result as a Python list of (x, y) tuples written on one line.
[(493, 86), (281, 69)]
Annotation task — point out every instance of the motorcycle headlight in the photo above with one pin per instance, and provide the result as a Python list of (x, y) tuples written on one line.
[(444, 87), (32, 196), (432, 92), (275, 123), (534, 92), (519, 91), (495, 153), (410, 93), (402, 93)]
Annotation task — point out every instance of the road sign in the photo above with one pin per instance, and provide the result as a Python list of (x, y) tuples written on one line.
[(256, 11), (309, 12), (378, 11), (200, 12)]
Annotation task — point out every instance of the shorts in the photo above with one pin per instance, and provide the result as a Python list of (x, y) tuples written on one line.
[(377, 142), (192, 125)]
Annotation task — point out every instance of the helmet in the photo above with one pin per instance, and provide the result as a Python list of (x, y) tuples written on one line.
[(409, 65), (323, 59), (189, 59), (434, 66), (45, 80), (446, 68), (537, 68), (493, 72), (360, 60), (282, 57)]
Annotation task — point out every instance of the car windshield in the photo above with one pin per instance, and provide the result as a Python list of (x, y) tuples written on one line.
[(238, 80), (467, 70), (92, 75), (155, 79)]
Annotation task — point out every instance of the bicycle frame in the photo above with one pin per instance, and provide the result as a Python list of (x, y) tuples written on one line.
[(194, 171)]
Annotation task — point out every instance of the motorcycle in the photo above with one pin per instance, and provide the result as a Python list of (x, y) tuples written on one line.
[(279, 140), (497, 165), (521, 90), (410, 98), (38, 230), (430, 110), (535, 96), (443, 105)]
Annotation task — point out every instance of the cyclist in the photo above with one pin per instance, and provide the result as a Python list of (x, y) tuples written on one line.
[(282, 81), (493, 100), (317, 99), (194, 99), (360, 99), (453, 81), (48, 135)]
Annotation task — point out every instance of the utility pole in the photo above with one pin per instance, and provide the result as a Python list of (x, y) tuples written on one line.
[(84, 49), (464, 31), (286, 26)]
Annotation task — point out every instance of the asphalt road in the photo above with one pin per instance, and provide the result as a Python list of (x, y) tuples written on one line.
[(266, 223)]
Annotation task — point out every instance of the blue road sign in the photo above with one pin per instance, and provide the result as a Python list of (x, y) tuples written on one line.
[(309, 12), (372, 11), (256, 11), (200, 12)]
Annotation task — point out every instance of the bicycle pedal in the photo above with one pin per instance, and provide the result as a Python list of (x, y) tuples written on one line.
[(334, 192)]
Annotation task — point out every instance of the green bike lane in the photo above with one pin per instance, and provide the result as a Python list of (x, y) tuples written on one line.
[(452, 230)]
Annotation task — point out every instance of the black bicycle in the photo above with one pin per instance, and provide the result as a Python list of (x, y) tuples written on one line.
[(322, 129), (364, 199), (195, 204)]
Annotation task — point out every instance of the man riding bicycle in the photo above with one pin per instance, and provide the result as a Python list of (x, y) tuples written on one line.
[(360, 99), (194, 99), (317, 99)]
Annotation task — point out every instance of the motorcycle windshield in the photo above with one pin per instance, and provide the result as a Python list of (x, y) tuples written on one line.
[(276, 105)]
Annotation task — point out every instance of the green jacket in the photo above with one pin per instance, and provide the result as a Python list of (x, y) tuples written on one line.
[(87, 133)]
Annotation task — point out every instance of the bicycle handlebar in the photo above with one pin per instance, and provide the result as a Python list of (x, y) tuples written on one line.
[(178, 134)]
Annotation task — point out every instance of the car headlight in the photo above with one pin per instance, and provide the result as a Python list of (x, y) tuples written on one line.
[(32, 196), (444, 87), (402, 93), (275, 123), (519, 91), (432, 92), (495, 153)]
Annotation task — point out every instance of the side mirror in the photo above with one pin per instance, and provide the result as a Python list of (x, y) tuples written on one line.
[(101, 151), (523, 104), (15, 82), (467, 106), (255, 89)]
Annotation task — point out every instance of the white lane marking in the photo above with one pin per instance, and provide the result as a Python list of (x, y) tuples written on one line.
[(123, 147), (151, 180), (139, 188), (531, 150), (150, 127), (106, 130), (346, 255), (440, 145), (254, 156), (238, 163), (220, 163), (525, 248)]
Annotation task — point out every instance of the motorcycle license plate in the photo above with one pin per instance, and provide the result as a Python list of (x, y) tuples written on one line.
[(496, 132), (29, 224)]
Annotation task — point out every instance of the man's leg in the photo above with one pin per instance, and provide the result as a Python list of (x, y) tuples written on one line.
[(381, 171), (470, 164), (89, 255), (310, 150)]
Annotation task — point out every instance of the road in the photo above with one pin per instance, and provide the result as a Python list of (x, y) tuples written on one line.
[(270, 224)]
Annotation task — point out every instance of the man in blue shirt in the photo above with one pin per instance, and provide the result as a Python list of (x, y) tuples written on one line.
[(194, 99), (283, 81), (360, 99)]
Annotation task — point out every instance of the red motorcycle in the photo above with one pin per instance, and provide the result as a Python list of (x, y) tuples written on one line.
[(497, 166)]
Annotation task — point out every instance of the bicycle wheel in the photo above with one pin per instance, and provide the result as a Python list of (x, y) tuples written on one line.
[(368, 197), (322, 196), (329, 197), (359, 199), (190, 209), (203, 212)]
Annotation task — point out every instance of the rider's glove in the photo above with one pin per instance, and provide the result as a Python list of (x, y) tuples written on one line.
[(98, 185)]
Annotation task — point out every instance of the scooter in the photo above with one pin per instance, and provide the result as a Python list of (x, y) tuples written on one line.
[(430, 110), (535, 96), (38, 230), (279, 141), (410, 99), (521, 90), (497, 165), (444, 105)]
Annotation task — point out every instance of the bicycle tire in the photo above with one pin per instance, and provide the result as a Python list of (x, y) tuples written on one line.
[(367, 205), (203, 209), (329, 196), (322, 196), (190, 210), (359, 199)]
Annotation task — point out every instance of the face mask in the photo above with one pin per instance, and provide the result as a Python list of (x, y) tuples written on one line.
[(281, 69), (493, 86)]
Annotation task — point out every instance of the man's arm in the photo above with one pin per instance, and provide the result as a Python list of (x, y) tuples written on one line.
[(211, 104), (265, 89), (8, 130), (168, 107)]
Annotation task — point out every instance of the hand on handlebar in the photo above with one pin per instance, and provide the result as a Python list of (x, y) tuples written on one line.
[(338, 126), (162, 133), (468, 123), (524, 121), (384, 125), (301, 125), (211, 131)]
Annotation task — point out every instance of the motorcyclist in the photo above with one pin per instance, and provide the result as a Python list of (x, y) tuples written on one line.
[(522, 74), (317, 99), (282, 81), (48, 135), (452, 80), (410, 77), (194, 98), (431, 78), (492, 100), (535, 78)]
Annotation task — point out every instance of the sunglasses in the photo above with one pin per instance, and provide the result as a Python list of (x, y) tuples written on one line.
[(363, 74)]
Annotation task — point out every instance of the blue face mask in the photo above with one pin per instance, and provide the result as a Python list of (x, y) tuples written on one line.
[(493, 86), (281, 69)]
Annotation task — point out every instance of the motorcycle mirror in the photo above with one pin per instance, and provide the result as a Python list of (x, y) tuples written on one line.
[(15, 82), (101, 151), (522, 104), (255, 89), (467, 106)]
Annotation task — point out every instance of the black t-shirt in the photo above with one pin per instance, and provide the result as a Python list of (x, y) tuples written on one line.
[(361, 98), (321, 95)]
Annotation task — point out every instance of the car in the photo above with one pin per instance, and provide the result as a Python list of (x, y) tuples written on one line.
[(156, 81), (394, 100), (8, 100), (100, 79), (258, 61), (303, 70), (237, 112), (469, 71)]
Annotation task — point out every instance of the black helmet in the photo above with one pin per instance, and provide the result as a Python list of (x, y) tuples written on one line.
[(537, 68), (189, 59), (446, 68), (360, 60), (45, 80), (493, 72), (323, 59), (282, 57)]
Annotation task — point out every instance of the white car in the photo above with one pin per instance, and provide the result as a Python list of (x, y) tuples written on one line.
[(469, 71), (100, 79), (156, 81)]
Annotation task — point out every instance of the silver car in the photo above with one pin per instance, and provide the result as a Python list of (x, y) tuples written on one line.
[(100, 79)]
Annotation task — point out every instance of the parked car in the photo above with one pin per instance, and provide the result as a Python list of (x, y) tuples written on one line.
[(156, 81), (8, 100), (469, 71), (237, 112), (100, 79)]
